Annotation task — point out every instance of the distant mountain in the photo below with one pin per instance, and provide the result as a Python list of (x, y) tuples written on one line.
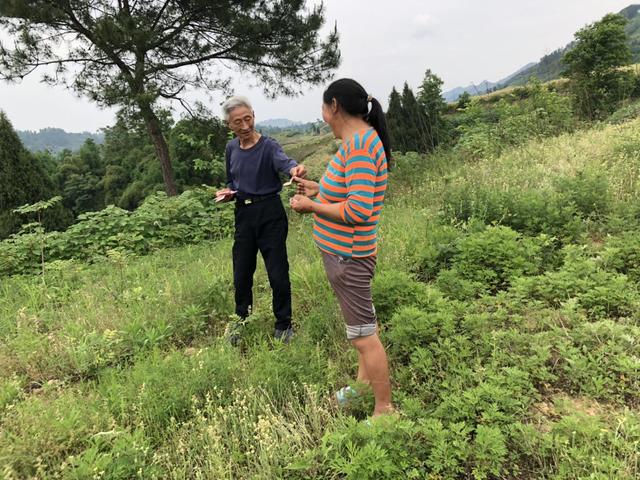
[(550, 66), (481, 88), (56, 139), (277, 123)]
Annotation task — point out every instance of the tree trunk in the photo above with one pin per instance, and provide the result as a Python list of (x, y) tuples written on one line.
[(162, 149)]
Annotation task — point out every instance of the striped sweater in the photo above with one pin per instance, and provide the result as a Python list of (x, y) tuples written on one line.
[(356, 177)]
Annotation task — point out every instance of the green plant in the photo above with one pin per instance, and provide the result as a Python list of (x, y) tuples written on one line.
[(37, 228)]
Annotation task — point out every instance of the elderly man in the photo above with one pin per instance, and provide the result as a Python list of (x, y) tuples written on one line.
[(254, 163)]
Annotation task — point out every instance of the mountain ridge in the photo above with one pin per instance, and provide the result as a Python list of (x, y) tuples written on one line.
[(549, 67)]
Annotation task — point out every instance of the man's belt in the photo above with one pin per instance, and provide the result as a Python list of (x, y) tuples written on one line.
[(251, 200)]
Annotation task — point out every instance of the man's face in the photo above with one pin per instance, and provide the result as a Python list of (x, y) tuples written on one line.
[(241, 122)]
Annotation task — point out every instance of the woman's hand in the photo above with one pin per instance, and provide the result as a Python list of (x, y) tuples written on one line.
[(302, 204), (308, 188)]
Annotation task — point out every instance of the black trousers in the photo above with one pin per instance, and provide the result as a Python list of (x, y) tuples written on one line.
[(262, 226)]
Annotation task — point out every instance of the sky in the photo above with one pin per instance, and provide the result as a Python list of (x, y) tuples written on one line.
[(383, 44)]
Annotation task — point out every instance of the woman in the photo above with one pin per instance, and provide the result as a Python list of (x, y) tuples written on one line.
[(347, 206)]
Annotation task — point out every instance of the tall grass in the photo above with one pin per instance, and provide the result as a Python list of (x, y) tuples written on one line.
[(518, 364)]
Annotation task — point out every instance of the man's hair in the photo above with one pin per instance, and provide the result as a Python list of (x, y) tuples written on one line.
[(235, 102)]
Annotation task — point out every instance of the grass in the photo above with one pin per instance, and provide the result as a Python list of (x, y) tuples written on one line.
[(120, 369)]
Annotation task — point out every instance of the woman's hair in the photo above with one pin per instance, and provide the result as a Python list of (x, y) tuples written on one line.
[(354, 100), (235, 102)]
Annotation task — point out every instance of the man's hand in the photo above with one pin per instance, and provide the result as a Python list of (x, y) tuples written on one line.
[(298, 171), (308, 188), (302, 204), (225, 195)]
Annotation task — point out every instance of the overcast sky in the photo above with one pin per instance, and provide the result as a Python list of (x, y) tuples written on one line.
[(383, 43)]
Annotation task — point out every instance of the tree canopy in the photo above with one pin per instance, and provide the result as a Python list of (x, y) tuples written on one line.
[(593, 65), (131, 53)]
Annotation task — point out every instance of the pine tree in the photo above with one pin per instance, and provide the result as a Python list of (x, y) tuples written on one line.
[(395, 122), (433, 107), (415, 124), (22, 179), (132, 54)]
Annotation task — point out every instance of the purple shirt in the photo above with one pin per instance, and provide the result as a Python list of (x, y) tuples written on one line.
[(255, 171)]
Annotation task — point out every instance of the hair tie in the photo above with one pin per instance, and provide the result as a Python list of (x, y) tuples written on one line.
[(369, 98)]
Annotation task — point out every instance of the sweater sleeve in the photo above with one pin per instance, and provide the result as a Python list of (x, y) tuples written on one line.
[(360, 180), (227, 161), (281, 162)]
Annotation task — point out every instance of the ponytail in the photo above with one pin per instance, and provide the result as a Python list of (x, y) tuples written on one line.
[(354, 100), (377, 120)]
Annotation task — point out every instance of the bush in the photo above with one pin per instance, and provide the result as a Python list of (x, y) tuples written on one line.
[(158, 223), (391, 290), (434, 252), (538, 113), (622, 254), (489, 261), (581, 280)]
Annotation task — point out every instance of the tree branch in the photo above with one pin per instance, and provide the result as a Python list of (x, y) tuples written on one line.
[(160, 12), (216, 55), (80, 28)]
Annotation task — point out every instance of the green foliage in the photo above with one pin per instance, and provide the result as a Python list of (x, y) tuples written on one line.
[(55, 428), (161, 390), (392, 289), (22, 179), (197, 147), (622, 254), (578, 442), (625, 113), (593, 65), (540, 113), (582, 282), (464, 100), (417, 124), (433, 105), (116, 455), (489, 261), (56, 140), (159, 222), (559, 210)]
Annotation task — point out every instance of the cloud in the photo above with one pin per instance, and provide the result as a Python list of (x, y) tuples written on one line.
[(422, 25)]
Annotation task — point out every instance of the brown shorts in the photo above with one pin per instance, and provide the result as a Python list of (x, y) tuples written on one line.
[(350, 279)]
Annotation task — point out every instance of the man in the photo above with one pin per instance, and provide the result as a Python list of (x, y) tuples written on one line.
[(254, 163)]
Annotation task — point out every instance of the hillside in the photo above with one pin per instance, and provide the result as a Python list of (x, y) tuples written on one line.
[(508, 292), (483, 87), (550, 66), (56, 139), (277, 123)]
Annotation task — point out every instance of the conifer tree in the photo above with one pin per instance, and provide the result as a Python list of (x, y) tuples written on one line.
[(131, 54), (22, 179), (395, 121)]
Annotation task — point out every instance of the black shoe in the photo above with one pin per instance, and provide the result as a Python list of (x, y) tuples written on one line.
[(284, 336)]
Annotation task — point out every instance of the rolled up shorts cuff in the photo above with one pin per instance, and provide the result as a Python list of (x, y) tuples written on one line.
[(359, 331)]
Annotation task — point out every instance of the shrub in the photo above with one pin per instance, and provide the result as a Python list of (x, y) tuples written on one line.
[(622, 254), (539, 113), (531, 212), (392, 289), (581, 279), (158, 223), (488, 261)]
